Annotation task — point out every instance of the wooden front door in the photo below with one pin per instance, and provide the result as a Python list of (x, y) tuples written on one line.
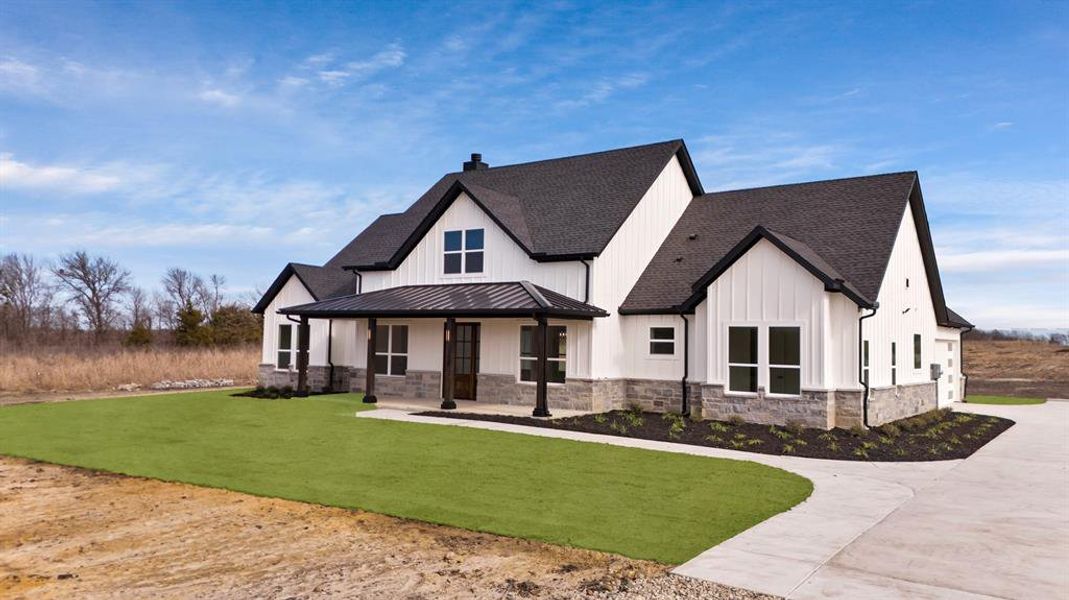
[(466, 361)]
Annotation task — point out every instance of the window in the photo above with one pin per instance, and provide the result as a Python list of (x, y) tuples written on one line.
[(742, 359), (865, 362), (784, 360), (285, 346), (663, 340), (464, 251), (556, 353), (391, 349), (894, 364), (917, 351)]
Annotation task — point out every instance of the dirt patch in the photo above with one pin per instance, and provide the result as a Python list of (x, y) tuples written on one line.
[(7, 398), (937, 435), (1017, 368), (67, 532)]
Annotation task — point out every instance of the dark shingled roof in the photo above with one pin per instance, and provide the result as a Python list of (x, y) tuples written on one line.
[(956, 320), (844, 227), (557, 208), (321, 282), (517, 298)]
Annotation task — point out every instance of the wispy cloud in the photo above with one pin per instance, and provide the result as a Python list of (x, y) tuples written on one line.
[(65, 179), (220, 98), (998, 260), (739, 160), (329, 70), (18, 76), (601, 90)]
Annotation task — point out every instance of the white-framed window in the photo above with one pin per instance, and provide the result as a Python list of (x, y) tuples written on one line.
[(391, 349), (785, 360), (742, 359), (463, 251), (556, 353), (286, 341), (865, 362), (662, 341), (917, 351), (894, 363)]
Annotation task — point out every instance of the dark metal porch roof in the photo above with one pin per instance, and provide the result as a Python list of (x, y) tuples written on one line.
[(502, 299)]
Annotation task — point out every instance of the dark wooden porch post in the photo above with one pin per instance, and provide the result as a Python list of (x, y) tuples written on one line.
[(302, 357), (449, 364), (369, 384), (541, 408)]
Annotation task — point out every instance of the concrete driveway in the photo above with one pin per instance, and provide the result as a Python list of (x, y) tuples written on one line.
[(996, 525)]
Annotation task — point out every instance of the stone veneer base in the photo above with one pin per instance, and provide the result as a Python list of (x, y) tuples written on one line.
[(815, 408)]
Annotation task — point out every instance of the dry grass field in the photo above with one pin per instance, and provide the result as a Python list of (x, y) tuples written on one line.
[(52, 371), (1017, 368)]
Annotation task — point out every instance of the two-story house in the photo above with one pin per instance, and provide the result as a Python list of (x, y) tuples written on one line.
[(607, 279)]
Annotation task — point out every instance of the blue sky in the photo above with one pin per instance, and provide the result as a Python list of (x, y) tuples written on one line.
[(231, 138)]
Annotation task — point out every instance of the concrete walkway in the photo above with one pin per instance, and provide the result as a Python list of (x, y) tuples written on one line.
[(928, 530)]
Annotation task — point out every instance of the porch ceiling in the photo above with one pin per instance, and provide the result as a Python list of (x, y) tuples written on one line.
[(499, 299)]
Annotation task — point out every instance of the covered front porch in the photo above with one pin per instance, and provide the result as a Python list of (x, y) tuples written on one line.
[(427, 342)]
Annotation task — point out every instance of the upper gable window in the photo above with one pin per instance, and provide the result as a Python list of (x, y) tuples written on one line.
[(463, 251)]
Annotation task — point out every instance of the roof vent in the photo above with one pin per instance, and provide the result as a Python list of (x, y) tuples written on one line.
[(692, 237), (679, 259), (476, 163)]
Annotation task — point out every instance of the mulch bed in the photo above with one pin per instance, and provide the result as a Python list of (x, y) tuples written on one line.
[(937, 435)]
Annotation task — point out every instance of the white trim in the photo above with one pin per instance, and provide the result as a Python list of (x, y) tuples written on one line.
[(650, 341), (463, 253)]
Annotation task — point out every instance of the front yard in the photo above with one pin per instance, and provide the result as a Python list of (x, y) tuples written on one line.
[(659, 506)]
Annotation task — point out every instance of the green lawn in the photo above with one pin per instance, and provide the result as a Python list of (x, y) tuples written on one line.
[(653, 505), (971, 399)]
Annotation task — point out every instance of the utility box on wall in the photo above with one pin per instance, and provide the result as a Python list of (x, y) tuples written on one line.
[(937, 371)]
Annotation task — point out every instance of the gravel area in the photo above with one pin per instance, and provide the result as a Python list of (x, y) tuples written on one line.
[(676, 587)]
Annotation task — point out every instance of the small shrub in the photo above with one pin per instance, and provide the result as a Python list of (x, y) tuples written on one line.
[(827, 436), (718, 427), (600, 418), (618, 427), (858, 431), (740, 436), (795, 427), (634, 419), (676, 424), (886, 440), (963, 418), (890, 430), (736, 420), (755, 442), (736, 444), (779, 433), (800, 442), (787, 449), (834, 446), (861, 452), (714, 439)]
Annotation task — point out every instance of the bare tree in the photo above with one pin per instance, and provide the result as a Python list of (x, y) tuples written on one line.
[(166, 311), (25, 293), (95, 285), (138, 308), (182, 286), (216, 283)]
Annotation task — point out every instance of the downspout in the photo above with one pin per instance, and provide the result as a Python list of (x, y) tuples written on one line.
[(359, 282), (686, 363), (330, 352), (861, 365), (961, 364), (586, 291)]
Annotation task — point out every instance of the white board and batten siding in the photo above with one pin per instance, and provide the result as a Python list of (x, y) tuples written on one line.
[(619, 266), (292, 294), (905, 309), (764, 288), (503, 259)]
